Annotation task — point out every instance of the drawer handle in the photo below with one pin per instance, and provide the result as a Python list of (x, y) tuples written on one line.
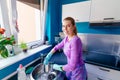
[(99, 78), (104, 69)]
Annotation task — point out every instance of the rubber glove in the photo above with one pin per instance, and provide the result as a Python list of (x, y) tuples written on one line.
[(57, 67), (47, 58)]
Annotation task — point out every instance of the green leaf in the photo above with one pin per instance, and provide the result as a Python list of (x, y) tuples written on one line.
[(4, 53), (3, 42), (23, 45)]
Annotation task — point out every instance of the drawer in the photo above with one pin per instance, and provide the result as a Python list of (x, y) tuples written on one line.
[(102, 72), (97, 70), (92, 76), (114, 74)]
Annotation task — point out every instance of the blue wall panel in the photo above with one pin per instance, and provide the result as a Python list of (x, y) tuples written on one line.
[(71, 1), (53, 24), (83, 27)]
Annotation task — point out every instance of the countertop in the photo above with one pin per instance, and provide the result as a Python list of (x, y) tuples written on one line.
[(8, 66), (102, 59), (12, 60)]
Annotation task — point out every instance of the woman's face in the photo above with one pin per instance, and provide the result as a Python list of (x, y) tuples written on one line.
[(68, 28)]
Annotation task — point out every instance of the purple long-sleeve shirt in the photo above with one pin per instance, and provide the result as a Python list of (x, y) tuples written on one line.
[(73, 51)]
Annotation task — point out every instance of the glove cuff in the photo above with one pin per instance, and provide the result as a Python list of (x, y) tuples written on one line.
[(61, 68), (49, 55)]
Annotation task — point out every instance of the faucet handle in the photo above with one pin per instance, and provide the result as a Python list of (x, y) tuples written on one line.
[(42, 57)]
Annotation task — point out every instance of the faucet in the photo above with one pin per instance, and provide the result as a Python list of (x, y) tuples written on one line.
[(34, 46)]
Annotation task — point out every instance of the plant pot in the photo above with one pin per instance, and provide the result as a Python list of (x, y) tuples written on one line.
[(25, 50), (3, 51), (10, 50)]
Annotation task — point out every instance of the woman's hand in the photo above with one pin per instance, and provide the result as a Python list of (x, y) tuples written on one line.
[(58, 67), (47, 58)]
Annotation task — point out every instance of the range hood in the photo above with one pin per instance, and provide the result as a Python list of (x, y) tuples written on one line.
[(105, 22)]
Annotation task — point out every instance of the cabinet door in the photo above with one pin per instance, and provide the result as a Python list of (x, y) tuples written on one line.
[(80, 11), (105, 9)]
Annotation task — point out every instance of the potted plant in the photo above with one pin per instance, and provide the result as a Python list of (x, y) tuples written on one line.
[(24, 46), (4, 41)]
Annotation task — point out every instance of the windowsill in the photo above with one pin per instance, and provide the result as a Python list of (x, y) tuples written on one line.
[(11, 60)]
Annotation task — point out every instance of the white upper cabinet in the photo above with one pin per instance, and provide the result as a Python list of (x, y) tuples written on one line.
[(80, 11), (105, 10)]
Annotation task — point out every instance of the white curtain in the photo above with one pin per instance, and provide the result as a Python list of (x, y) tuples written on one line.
[(44, 6), (4, 7)]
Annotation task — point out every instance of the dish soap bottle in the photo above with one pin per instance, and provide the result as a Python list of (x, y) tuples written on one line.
[(21, 73)]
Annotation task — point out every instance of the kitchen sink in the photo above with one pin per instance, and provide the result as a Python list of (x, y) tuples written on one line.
[(41, 72)]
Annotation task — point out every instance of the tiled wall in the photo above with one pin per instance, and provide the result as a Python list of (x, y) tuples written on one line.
[(101, 43)]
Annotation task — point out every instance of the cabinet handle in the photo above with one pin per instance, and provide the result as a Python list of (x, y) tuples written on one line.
[(108, 18), (104, 69), (99, 78)]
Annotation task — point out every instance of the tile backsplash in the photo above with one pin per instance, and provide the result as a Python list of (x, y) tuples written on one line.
[(101, 43)]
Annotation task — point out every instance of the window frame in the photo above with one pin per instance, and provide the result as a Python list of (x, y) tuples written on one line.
[(11, 30)]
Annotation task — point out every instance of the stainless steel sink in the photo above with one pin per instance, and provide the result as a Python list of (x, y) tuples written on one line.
[(41, 72), (46, 72)]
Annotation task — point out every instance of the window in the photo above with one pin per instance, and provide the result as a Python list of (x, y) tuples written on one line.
[(28, 22), (25, 20)]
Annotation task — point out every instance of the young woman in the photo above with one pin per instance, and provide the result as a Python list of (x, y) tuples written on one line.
[(72, 47)]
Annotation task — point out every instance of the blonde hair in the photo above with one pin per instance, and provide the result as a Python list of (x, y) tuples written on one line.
[(72, 22)]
